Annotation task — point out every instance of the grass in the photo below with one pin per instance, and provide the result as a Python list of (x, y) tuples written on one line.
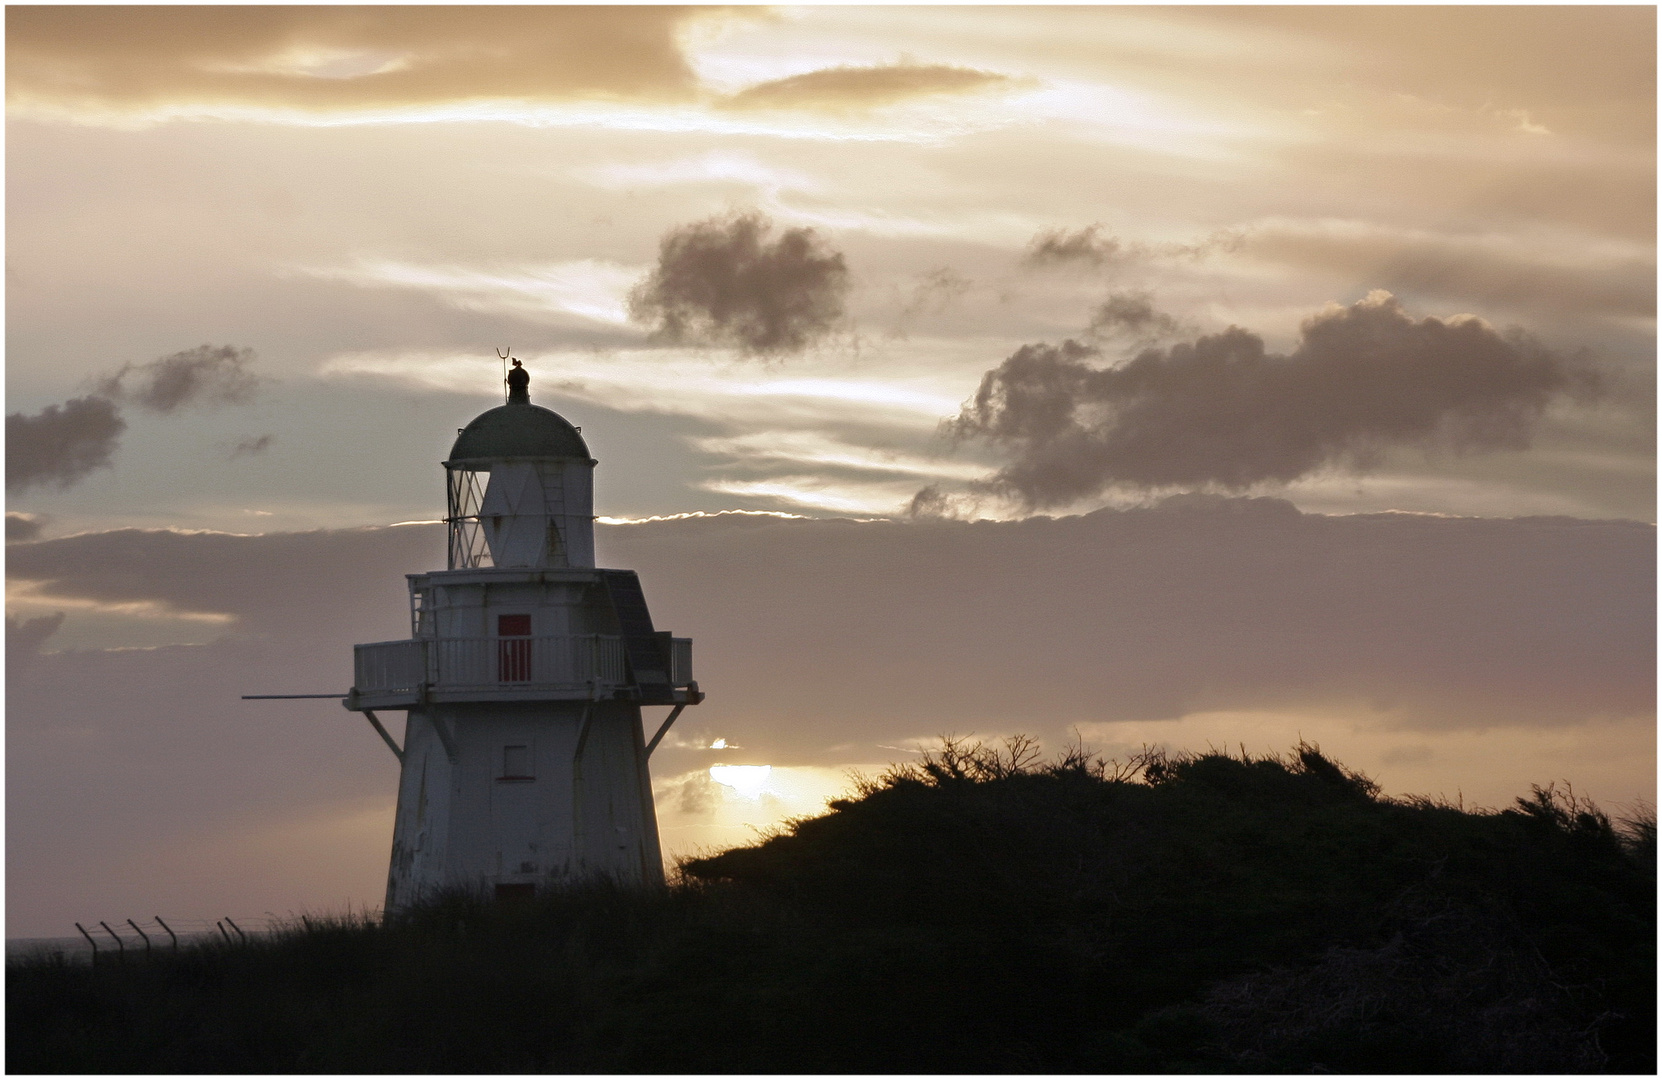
[(981, 911)]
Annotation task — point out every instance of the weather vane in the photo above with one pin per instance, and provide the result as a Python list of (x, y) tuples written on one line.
[(505, 356)]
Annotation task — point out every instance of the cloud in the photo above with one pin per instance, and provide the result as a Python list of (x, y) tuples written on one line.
[(721, 282), (1199, 602), (204, 375), (825, 642), (699, 794), (61, 444), (21, 528), (1619, 280), (24, 638), (251, 446), (1221, 411), (1087, 245), (127, 59), (852, 88), (1092, 245), (936, 290), (1131, 314)]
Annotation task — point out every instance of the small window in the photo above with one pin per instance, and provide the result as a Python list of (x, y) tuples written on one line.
[(516, 763), (513, 626)]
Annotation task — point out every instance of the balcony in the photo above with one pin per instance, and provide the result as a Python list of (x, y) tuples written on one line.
[(399, 674)]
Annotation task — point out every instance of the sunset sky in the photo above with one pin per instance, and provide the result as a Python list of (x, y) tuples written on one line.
[(1340, 320)]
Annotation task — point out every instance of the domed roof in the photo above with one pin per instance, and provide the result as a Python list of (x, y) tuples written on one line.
[(518, 430)]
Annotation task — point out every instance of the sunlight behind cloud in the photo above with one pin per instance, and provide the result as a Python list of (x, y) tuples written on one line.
[(815, 448), (716, 166), (676, 381), (874, 500), (749, 781), (699, 813), (588, 288)]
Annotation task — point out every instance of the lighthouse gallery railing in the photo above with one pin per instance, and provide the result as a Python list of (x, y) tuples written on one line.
[(502, 662)]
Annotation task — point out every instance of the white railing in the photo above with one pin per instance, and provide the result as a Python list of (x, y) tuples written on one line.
[(680, 661), (506, 662), (503, 662), (389, 666)]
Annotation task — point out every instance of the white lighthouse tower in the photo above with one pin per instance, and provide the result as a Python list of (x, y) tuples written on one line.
[(524, 760)]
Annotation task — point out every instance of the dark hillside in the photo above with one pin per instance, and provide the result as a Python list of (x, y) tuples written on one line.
[(1243, 912), (982, 911)]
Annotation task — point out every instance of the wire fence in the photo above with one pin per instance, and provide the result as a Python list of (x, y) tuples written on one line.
[(101, 942)]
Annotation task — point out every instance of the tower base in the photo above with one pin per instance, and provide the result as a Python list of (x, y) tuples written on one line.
[(510, 797)]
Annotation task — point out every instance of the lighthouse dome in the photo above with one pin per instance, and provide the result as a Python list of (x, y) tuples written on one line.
[(518, 430)]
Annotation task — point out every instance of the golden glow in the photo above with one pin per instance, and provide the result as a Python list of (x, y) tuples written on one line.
[(748, 781)]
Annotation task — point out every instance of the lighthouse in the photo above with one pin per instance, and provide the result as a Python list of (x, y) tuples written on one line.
[(523, 681)]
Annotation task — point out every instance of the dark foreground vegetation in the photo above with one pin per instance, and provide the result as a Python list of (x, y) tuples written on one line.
[(980, 912)]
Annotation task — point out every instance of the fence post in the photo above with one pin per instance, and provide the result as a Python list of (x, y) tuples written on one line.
[(224, 931), (170, 932), (120, 945), (91, 942), (238, 929), (143, 935)]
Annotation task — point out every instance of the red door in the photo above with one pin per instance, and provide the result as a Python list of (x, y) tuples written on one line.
[(513, 652)]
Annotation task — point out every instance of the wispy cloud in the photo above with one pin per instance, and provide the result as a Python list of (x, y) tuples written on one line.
[(678, 383), (324, 59), (716, 166), (589, 289), (818, 448), (848, 87), (821, 493)]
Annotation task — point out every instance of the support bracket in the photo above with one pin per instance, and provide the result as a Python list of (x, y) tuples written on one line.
[(664, 729), (397, 752)]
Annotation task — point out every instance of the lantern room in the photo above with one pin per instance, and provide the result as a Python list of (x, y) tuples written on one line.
[(520, 490)]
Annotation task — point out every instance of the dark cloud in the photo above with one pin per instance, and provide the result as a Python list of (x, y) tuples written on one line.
[(21, 528), (266, 582), (323, 58), (1132, 315), (1093, 245), (721, 282), (1086, 245), (207, 374), (61, 444), (251, 446), (1221, 411), (24, 638), (842, 88), (819, 642)]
